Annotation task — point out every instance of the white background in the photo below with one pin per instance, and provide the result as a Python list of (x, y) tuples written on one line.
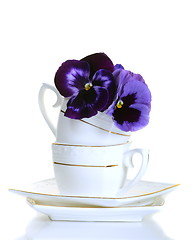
[(147, 37)]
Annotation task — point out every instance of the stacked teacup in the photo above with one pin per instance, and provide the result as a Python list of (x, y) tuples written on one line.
[(92, 153)]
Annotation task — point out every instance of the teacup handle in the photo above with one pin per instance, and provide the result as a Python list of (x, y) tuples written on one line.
[(128, 162), (41, 101)]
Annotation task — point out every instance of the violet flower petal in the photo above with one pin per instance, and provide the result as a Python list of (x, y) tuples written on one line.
[(143, 94), (71, 76), (128, 75), (118, 66), (122, 76), (86, 103), (133, 114), (133, 118), (135, 88), (98, 61)]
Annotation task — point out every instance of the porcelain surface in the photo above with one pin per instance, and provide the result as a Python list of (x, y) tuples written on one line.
[(96, 171), (143, 193), (97, 214)]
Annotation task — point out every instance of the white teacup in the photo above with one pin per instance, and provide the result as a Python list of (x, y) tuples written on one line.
[(97, 130), (95, 171)]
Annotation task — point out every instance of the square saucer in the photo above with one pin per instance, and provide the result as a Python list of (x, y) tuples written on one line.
[(101, 214), (143, 193)]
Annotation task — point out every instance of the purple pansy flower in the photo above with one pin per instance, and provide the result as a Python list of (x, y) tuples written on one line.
[(130, 110), (88, 83)]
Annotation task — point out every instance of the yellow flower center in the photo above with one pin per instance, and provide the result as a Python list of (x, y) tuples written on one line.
[(119, 104), (88, 86)]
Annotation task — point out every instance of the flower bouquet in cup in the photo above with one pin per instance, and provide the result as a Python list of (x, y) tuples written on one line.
[(100, 105)]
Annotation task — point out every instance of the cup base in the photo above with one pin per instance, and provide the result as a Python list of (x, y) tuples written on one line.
[(88, 181)]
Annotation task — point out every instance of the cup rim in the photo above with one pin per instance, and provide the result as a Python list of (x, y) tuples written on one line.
[(90, 146), (117, 132)]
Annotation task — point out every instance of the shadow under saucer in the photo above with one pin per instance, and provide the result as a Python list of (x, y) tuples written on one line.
[(42, 228)]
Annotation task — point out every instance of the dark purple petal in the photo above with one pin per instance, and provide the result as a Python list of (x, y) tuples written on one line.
[(105, 79), (98, 61), (87, 103), (102, 98), (71, 77), (131, 118)]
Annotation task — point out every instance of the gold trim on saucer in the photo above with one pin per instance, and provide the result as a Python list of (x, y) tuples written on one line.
[(117, 198), (121, 134), (74, 165), (76, 145)]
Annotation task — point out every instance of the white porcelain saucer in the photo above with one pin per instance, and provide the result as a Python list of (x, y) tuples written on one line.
[(62, 213), (143, 193)]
